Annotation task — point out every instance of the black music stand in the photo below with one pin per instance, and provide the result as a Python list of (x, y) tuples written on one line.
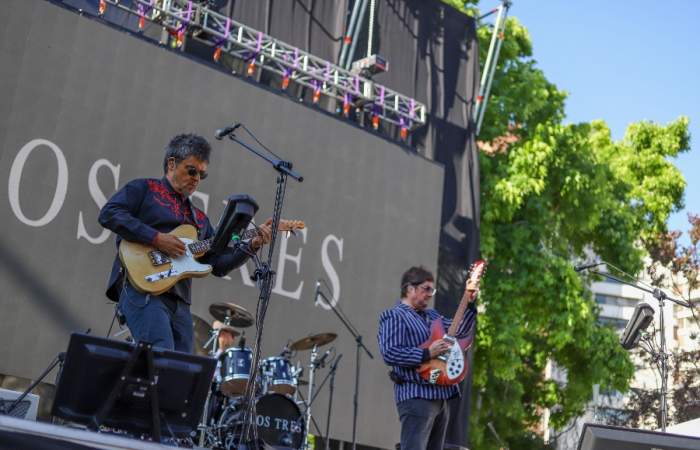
[(132, 387)]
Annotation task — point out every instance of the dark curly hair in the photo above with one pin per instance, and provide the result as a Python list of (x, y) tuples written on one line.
[(413, 277), (183, 146)]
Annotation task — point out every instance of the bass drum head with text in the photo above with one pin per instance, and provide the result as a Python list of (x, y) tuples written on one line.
[(279, 423)]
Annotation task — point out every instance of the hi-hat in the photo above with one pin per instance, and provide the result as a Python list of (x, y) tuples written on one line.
[(202, 333), (315, 340), (231, 314)]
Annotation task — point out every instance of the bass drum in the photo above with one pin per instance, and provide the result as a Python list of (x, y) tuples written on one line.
[(278, 420)]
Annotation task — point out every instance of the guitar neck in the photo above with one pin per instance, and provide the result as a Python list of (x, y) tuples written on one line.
[(459, 315), (202, 246)]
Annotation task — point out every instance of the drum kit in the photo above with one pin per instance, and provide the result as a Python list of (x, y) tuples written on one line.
[(281, 415)]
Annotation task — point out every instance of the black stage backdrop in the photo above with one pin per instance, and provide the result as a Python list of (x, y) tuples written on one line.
[(86, 108), (433, 56)]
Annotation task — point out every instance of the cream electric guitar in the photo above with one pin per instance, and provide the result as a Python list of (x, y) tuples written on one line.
[(152, 271)]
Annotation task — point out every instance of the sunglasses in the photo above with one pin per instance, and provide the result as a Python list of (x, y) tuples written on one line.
[(192, 171)]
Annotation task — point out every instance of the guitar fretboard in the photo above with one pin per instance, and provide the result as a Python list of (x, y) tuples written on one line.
[(202, 246)]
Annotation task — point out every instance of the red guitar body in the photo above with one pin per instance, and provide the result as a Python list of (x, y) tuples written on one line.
[(436, 370)]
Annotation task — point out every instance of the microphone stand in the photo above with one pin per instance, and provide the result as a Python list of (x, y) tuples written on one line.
[(359, 345), (331, 386), (662, 356), (60, 358), (264, 277)]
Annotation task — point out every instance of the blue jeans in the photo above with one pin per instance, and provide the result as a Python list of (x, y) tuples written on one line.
[(423, 423), (151, 319)]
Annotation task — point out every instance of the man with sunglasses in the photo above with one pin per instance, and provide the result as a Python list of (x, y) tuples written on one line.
[(422, 407), (144, 211)]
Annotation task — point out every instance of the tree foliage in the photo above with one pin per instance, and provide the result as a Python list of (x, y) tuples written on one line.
[(551, 192)]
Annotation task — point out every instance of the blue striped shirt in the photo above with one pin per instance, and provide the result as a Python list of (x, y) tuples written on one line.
[(401, 330)]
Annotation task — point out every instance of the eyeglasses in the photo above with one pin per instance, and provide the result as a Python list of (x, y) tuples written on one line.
[(428, 289), (192, 171)]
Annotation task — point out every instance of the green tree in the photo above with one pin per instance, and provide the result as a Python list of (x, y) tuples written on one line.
[(551, 192)]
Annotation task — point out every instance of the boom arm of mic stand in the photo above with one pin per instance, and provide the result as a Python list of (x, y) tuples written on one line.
[(657, 293), (351, 329), (279, 165)]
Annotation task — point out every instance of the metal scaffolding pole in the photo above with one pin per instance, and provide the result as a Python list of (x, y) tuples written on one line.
[(487, 75)]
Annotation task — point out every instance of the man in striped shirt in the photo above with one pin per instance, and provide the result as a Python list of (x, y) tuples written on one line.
[(422, 406)]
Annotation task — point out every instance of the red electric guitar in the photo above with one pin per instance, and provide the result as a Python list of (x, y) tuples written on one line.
[(451, 367)]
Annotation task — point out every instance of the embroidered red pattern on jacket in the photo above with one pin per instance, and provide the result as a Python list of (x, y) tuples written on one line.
[(167, 198)]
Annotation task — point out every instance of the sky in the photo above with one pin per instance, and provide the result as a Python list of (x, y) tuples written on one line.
[(623, 61)]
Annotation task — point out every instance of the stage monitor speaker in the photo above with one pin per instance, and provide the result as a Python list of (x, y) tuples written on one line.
[(600, 437), (105, 382), (26, 409)]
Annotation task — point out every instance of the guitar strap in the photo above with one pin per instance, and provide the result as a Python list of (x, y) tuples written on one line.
[(193, 213)]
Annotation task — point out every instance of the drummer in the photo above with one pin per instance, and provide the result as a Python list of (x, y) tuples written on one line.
[(227, 336)]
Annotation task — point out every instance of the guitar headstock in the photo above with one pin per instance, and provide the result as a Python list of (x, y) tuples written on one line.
[(476, 272), (291, 225)]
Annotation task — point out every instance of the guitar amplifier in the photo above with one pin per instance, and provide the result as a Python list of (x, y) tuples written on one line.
[(26, 409)]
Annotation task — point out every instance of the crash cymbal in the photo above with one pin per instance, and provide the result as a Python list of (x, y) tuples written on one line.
[(238, 316), (222, 326), (202, 333), (314, 340)]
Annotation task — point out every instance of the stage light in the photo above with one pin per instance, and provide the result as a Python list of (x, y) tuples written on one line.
[(142, 17), (217, 54), (404, 129), (346, 105), (285, 82), (317, 92), (251, 68), (102, 7), (642, 317)]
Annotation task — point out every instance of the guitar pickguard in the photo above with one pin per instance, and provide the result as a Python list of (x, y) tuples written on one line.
[(454, 364)]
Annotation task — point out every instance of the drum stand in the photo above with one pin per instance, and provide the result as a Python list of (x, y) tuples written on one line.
[(307, 413), (203, 424)]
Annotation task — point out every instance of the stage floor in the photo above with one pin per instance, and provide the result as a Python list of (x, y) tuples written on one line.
[(20, 434)]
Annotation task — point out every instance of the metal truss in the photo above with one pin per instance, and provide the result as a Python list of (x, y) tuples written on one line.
[(259, 50)]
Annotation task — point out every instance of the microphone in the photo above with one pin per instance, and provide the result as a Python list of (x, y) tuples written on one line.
[(581, 267), (223, 132), (322, 361), (318, 291)]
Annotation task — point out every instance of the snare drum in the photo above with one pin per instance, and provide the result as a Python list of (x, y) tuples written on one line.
[(278, 376), (235, 370)]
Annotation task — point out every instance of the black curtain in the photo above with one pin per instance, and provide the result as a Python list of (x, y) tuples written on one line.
[(433, 56)]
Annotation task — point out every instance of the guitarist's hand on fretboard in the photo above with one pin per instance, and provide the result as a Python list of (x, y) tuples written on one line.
[(264, 235)]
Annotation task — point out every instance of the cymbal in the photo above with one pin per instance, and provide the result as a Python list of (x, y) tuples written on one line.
[(223, 327), (202, 334), (314, 340), (238, 316)]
